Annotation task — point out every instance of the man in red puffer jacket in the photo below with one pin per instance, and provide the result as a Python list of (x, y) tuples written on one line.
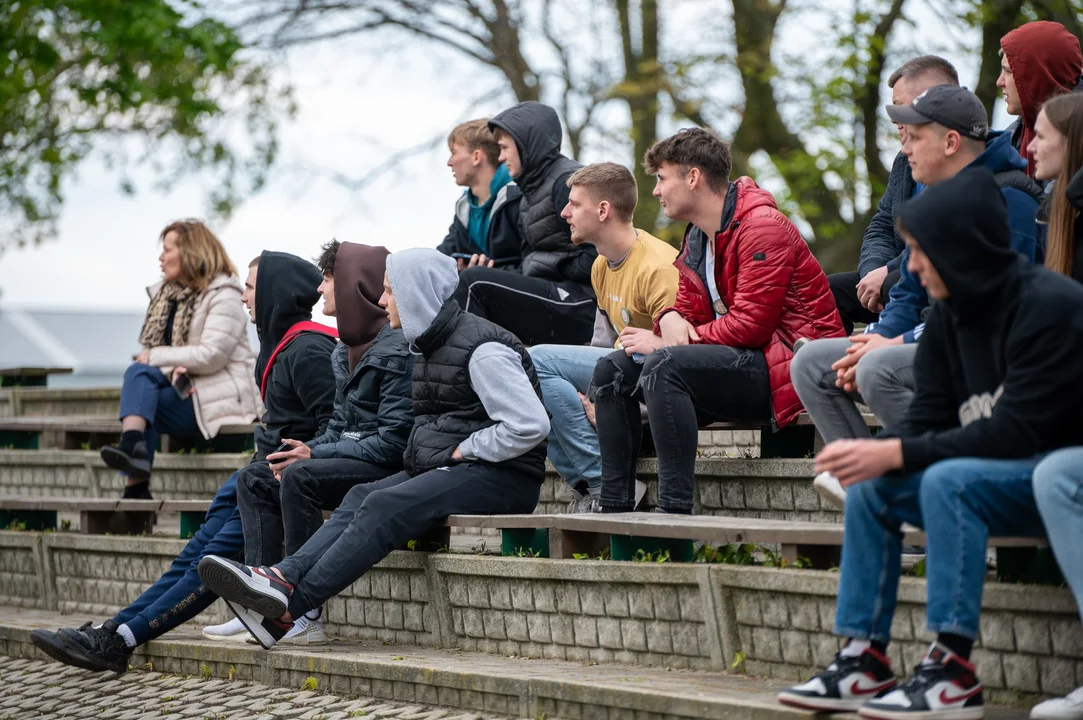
[(749, 289)]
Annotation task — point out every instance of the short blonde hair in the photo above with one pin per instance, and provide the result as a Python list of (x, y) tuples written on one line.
[(610, 182), (476, 135), (202, 255)]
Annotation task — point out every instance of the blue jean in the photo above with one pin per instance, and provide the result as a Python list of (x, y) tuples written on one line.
[(148, 393), (1058, 490), (179, 594), (564, 371), (960, 503)]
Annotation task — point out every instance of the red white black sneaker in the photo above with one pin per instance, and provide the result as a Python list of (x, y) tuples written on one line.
[(266, 631), (255, 588), (847, 684), (944, 687)]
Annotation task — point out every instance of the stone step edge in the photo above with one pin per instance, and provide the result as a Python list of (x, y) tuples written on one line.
[(199, 657)]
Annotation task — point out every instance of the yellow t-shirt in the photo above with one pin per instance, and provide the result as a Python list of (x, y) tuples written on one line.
[(643, 285)]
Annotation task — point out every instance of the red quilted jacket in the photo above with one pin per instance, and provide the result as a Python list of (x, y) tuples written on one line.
[(774, 289)]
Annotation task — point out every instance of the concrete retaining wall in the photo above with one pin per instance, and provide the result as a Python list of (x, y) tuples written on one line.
[(667, 615)]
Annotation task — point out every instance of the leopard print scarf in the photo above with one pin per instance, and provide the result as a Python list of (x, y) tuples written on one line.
[(172, 293)]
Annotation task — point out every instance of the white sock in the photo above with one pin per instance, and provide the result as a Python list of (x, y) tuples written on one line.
[(314, 614), (855, 648), (126, 633)]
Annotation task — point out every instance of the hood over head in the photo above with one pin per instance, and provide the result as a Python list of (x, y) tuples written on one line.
[(536, 130), (962, 225), (1045, 61), (286, 290), (422, 280), (359, 283)]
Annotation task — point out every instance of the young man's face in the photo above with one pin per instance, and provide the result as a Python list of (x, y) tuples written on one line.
[(509, 154), (926, 149), (920, 265), (1006, 82), (583, 214), (675, 191), (1049, 148), (463, 164), (248, 297), (327, 290), (387, 302)]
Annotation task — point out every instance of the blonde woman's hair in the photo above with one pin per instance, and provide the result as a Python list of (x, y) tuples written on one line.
[(202, 256)]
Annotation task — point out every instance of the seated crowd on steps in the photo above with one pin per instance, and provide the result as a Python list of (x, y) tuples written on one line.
[(546, 325)]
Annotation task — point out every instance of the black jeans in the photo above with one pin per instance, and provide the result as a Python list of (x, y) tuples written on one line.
[(293, 509), (534, 310), (379, 517), (682, 387), (844, 288)]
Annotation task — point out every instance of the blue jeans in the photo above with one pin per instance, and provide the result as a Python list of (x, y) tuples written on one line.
[(960, 503), (148, 393), (1058, 489), (564, 371), (179, 595)]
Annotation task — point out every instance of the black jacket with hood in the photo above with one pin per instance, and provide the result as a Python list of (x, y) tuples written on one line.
[(372, 366), (506, 244), (998, 369), (300, 390), (1075, 197), (548, 251)]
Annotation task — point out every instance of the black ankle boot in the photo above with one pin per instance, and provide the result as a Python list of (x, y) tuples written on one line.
[(138, 491), (134, 462)]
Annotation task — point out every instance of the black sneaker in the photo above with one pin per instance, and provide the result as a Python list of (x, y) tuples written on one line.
[(266, 631), (846, 684), (133, 463), (51, 644), (944, 687), (255, 588), (103, 647)]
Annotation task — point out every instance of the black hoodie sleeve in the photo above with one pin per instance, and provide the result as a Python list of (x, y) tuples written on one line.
[(1036, 397), (314, 383)]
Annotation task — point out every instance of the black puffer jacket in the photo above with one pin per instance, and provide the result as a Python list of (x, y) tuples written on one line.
[(373, 409), (882, 245), (300, 391), (446, 408), (506, 243), (550, 254)]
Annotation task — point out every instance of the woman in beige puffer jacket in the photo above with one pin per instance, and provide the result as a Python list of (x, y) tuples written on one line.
[(195, 331)]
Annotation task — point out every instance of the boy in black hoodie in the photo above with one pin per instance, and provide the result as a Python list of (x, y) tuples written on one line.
[(998, 384), (298, 405), (552, 301)]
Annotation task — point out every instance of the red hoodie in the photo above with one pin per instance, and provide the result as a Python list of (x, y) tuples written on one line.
[(1045, 61)]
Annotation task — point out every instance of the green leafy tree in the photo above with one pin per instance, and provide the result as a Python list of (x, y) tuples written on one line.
[(150, 81)]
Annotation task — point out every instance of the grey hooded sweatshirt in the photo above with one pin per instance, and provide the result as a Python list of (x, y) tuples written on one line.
[(422, 280)]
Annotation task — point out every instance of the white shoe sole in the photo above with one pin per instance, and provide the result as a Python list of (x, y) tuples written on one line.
[(253, 622), (829, 491), (241, 636), (305, 638), (970, 713), (815, 704)]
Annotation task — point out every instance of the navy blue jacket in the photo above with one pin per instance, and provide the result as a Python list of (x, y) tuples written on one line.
[(907, 299), (373, 408), (882, 245)]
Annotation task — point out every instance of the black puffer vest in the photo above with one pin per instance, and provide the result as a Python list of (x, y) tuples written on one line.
[(446, 408)]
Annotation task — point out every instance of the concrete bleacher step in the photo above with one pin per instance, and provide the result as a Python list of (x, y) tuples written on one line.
[(41, 402), (74, 432), (508, 686)]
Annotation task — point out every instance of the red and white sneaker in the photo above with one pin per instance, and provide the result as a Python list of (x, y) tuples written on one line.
[(944, 687), (845, 685), (255, 588)]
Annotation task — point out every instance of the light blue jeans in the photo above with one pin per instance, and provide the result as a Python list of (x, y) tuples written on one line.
[(1058, 489), (564, 371), (960, 502)]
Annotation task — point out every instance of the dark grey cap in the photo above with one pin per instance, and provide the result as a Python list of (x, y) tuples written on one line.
[(954, 107)]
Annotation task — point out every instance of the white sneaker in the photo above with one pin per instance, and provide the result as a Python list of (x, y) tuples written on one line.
[(1065, 708), (830, 489), (233, 630), (305, 631)]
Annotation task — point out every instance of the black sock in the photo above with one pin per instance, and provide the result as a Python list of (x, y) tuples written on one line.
[(957, 644), (129, 438), (880, 647)]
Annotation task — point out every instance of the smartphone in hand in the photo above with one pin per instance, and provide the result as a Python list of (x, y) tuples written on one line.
[(183, 386)]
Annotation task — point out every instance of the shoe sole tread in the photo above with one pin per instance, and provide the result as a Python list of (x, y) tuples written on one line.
[(232, 585)]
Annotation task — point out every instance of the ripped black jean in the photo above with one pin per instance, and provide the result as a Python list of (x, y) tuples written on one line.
[(682, 387)]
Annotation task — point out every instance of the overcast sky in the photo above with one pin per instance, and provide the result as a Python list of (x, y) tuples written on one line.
[(354, 110)]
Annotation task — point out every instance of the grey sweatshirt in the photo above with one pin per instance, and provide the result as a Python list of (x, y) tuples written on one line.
[(422, 280)]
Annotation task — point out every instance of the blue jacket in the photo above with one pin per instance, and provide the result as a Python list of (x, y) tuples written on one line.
[(882, 245), (907, 299)]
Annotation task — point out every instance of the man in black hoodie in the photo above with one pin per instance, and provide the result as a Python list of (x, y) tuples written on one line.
[(364, 441), (298, 405), (999, 383), (552, 301)]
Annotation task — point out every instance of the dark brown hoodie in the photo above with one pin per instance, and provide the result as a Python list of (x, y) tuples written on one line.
[(359, 283)]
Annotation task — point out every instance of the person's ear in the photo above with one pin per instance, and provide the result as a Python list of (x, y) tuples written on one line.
[(604, 209), (476, 157), (692, 178)]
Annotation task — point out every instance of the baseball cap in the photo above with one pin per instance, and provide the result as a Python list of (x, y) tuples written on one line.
[(954, 107)]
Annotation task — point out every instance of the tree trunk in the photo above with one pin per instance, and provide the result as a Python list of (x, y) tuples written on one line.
[(998, 18), (639, 89)]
